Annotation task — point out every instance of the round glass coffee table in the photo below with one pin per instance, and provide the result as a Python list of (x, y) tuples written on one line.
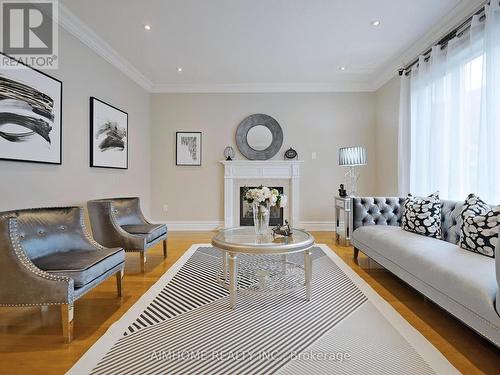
[(268, 269)]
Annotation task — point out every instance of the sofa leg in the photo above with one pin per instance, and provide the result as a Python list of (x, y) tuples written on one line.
[(143, 261), (356, 253), (165, 248), (119, 282), (67, 321)]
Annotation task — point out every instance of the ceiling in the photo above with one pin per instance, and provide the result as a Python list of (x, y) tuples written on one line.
[(292, 43)]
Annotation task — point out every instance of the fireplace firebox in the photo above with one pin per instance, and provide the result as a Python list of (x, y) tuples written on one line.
[(246, 214)]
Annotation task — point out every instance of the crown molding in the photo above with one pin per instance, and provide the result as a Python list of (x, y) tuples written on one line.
[(456, 16), (75, 26), (263, 88)]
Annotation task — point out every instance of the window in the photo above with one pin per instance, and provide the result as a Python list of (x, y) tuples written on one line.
[(454, 117)]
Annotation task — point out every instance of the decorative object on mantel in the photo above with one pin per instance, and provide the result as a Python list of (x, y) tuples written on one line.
[(290, 154), (188, 148), (259, 137), (229, 153), (262, 199), (352, 157), (342, 191), (283, 230)]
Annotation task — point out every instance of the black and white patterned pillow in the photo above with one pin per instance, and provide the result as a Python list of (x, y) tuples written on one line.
[(422, 215), (480, 226)]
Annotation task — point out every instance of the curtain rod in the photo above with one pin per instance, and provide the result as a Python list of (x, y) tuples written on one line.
[(443, 42)]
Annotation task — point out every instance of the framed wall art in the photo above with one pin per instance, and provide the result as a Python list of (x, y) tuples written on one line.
[(188, 148), (30, 114), (108, 135)]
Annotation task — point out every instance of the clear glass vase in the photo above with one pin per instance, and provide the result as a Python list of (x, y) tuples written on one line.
[(261, 217)]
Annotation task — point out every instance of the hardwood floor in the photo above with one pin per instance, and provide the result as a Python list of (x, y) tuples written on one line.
[(31, 340)]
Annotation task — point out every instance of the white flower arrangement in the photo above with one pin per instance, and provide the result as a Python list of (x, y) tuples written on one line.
[(265, 197)]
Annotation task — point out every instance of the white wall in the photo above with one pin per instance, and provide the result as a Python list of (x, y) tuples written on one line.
[(318, 123), (387, 118), (84, 74)]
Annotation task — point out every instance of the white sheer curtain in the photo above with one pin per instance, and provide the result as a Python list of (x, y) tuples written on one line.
[(455, 115), (404, 137)]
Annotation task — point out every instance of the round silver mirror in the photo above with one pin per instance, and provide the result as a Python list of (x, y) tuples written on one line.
[(259, 137)]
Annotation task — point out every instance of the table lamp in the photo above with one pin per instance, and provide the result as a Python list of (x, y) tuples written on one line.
[(352, 157)]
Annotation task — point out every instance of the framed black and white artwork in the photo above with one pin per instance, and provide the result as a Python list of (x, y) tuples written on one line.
[(188, 148), (30, 114), (108, 136)]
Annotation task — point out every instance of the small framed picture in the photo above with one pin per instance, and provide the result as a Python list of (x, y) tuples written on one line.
[(108, 136), (188, 148)]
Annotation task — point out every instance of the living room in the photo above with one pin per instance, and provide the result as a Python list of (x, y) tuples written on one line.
[(250, 187)]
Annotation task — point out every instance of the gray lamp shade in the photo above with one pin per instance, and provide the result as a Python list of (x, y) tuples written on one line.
[(350, 156)]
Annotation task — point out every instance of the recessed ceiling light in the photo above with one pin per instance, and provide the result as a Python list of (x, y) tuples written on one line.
[(376, 23), (342, 68), (147, 27), (179, 69)]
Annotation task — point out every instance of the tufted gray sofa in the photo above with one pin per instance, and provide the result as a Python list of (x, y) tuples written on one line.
[(48, 258), (463, 283), (120, 222)]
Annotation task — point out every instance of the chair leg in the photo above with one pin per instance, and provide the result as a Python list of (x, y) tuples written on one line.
[(356, 252), (119, 282), (143, 261), (165, 248), (67, 321)]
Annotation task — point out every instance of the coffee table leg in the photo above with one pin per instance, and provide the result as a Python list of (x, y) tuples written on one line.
[(233, 279), (308, 272), (283, 263), (224, 265)]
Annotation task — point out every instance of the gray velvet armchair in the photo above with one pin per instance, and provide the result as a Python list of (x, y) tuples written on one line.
[(120, 222), (48, 258)]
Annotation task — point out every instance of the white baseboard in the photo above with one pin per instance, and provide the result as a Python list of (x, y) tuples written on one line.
[(320, 226), (193, 225)]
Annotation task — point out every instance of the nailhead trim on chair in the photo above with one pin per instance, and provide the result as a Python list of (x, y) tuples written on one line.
[(26, 262), (112, 212), (87, 233)]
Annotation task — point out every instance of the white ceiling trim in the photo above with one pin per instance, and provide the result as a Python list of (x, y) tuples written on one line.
[(74, 25), (456, 16), (262, 88), (85, 34)]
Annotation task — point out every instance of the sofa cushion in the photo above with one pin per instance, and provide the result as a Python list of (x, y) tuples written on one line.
[(83, 266), (480, 223), (463, 276), (422, 215), (497, 260), (151, 231)]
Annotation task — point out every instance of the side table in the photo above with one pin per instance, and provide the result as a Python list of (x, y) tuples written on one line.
[(343, 214)]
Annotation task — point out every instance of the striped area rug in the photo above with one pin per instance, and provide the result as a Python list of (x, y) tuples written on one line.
[(183, 325)]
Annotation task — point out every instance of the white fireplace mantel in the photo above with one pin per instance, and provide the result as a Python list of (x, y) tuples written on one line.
[(261, 170)]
